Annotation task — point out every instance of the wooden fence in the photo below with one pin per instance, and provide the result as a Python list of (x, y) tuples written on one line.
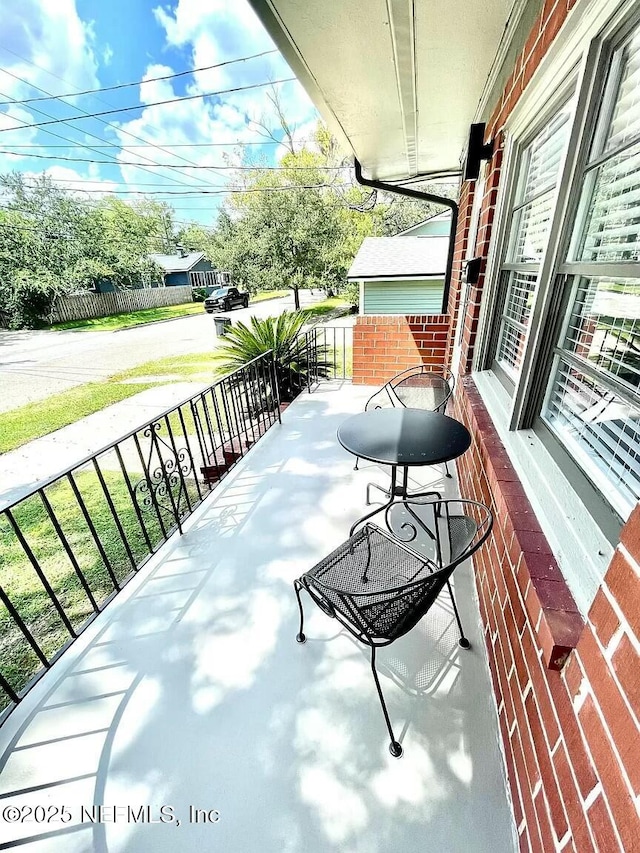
[(84, 306)]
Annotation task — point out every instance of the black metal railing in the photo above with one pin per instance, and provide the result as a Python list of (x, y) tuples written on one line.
[(329, 352), (69, 546)]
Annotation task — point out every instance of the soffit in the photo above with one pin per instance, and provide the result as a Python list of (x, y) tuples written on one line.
[(397, 81)]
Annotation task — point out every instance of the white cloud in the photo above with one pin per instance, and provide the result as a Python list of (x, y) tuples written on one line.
[(51, 35), (107, 55), (214, 33)]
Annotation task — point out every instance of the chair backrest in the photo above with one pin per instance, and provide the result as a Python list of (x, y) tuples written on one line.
[(417, 387), (459, 524)]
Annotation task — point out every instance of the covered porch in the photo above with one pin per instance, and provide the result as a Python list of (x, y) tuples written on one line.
[(190, 693)]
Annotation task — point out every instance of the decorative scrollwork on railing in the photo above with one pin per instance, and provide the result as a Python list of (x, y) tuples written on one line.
[(166, 468)]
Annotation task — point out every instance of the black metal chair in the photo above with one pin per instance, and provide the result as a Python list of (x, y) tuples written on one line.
[(380, 583), (419, 387)]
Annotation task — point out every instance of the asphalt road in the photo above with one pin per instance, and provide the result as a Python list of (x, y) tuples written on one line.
[(34, 365)]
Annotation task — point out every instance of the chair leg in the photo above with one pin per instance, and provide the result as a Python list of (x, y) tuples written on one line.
[(446, 468), (355, 467), (300, 637), (394, 747), (462, 642)]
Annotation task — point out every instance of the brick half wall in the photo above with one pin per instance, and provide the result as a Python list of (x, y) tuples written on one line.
[(567, 690), (385, 345)]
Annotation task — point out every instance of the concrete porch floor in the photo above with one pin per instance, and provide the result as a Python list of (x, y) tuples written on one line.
[(190, 691)]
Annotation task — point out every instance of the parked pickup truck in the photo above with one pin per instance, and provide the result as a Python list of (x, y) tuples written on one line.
[(226, 298)]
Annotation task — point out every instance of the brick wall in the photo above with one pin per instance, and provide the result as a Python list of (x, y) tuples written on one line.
[(567, 689), (386, 345)]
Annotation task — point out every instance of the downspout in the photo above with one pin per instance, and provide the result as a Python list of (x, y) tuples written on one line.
[(420, 196)]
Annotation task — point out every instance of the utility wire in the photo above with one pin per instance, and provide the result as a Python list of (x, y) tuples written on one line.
[(194, 166), (217, 191), (230, 143), (136, 82), (102, 121), (101, 139), (153, 104)]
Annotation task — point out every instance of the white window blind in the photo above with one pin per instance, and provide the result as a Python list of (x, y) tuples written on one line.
[(593, 400), (531, 215)]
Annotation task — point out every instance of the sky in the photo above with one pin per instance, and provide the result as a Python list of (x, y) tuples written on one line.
[(62, 47)]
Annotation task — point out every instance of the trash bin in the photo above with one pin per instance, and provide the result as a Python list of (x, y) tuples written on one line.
[(223, 324)]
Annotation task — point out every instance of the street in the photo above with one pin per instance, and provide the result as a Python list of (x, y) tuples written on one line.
[(37, 364)]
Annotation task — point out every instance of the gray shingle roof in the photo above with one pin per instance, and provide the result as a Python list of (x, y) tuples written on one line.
[(176, 263), (400, 257)]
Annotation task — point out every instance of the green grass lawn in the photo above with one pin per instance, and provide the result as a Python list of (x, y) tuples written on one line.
[(37, 419), (25, 590), (132, 318)]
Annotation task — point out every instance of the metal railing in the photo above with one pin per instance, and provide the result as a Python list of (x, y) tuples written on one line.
[(69, 546), (330, 352)]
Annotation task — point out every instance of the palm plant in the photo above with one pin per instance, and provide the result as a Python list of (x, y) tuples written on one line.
[(296, 355)]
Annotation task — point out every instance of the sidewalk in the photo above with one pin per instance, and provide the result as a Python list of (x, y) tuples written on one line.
[(21, 470)]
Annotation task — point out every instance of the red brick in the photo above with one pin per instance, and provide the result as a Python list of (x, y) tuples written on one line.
[(604, 618), (602, 828), (549, 783), (558, 635), (542, 566), (544, 822), (572, 802), (618, 797), (624, 583), (541, 691), (523, 842), (626, 664), (572, 675), (531, 40), (526, 785), (580, 759), (518, 814), (623, 727), (553, 25), (630, 534)]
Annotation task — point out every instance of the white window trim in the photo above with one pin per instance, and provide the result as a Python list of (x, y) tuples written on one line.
[(582, 550)]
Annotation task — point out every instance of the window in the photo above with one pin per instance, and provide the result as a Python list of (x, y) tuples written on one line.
[(592, 403), (559, 356), (530, 215)]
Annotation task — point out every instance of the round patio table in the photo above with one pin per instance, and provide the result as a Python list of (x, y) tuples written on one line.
[(403, 438)]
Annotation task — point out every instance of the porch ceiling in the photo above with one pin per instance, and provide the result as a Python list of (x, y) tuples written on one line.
[(190, 690), (397, 81)]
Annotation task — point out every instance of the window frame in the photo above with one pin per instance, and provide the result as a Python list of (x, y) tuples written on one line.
[(561, 97)]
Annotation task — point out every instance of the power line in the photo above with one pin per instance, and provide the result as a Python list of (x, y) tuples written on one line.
[(102, 121), (137, 82), (194, 166), (114, 161), (146, 145), (216, 191), (93, 135), (152, 104)]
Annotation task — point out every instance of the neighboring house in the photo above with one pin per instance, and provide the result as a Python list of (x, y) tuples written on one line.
[(542, 331), (191, 268), (438, 225), (400, 275)]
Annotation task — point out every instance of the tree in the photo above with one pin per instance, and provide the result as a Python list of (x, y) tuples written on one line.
[(301, 225), (52, 243)]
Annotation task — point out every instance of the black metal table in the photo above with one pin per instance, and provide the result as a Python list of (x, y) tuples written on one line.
[(403, 438)]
